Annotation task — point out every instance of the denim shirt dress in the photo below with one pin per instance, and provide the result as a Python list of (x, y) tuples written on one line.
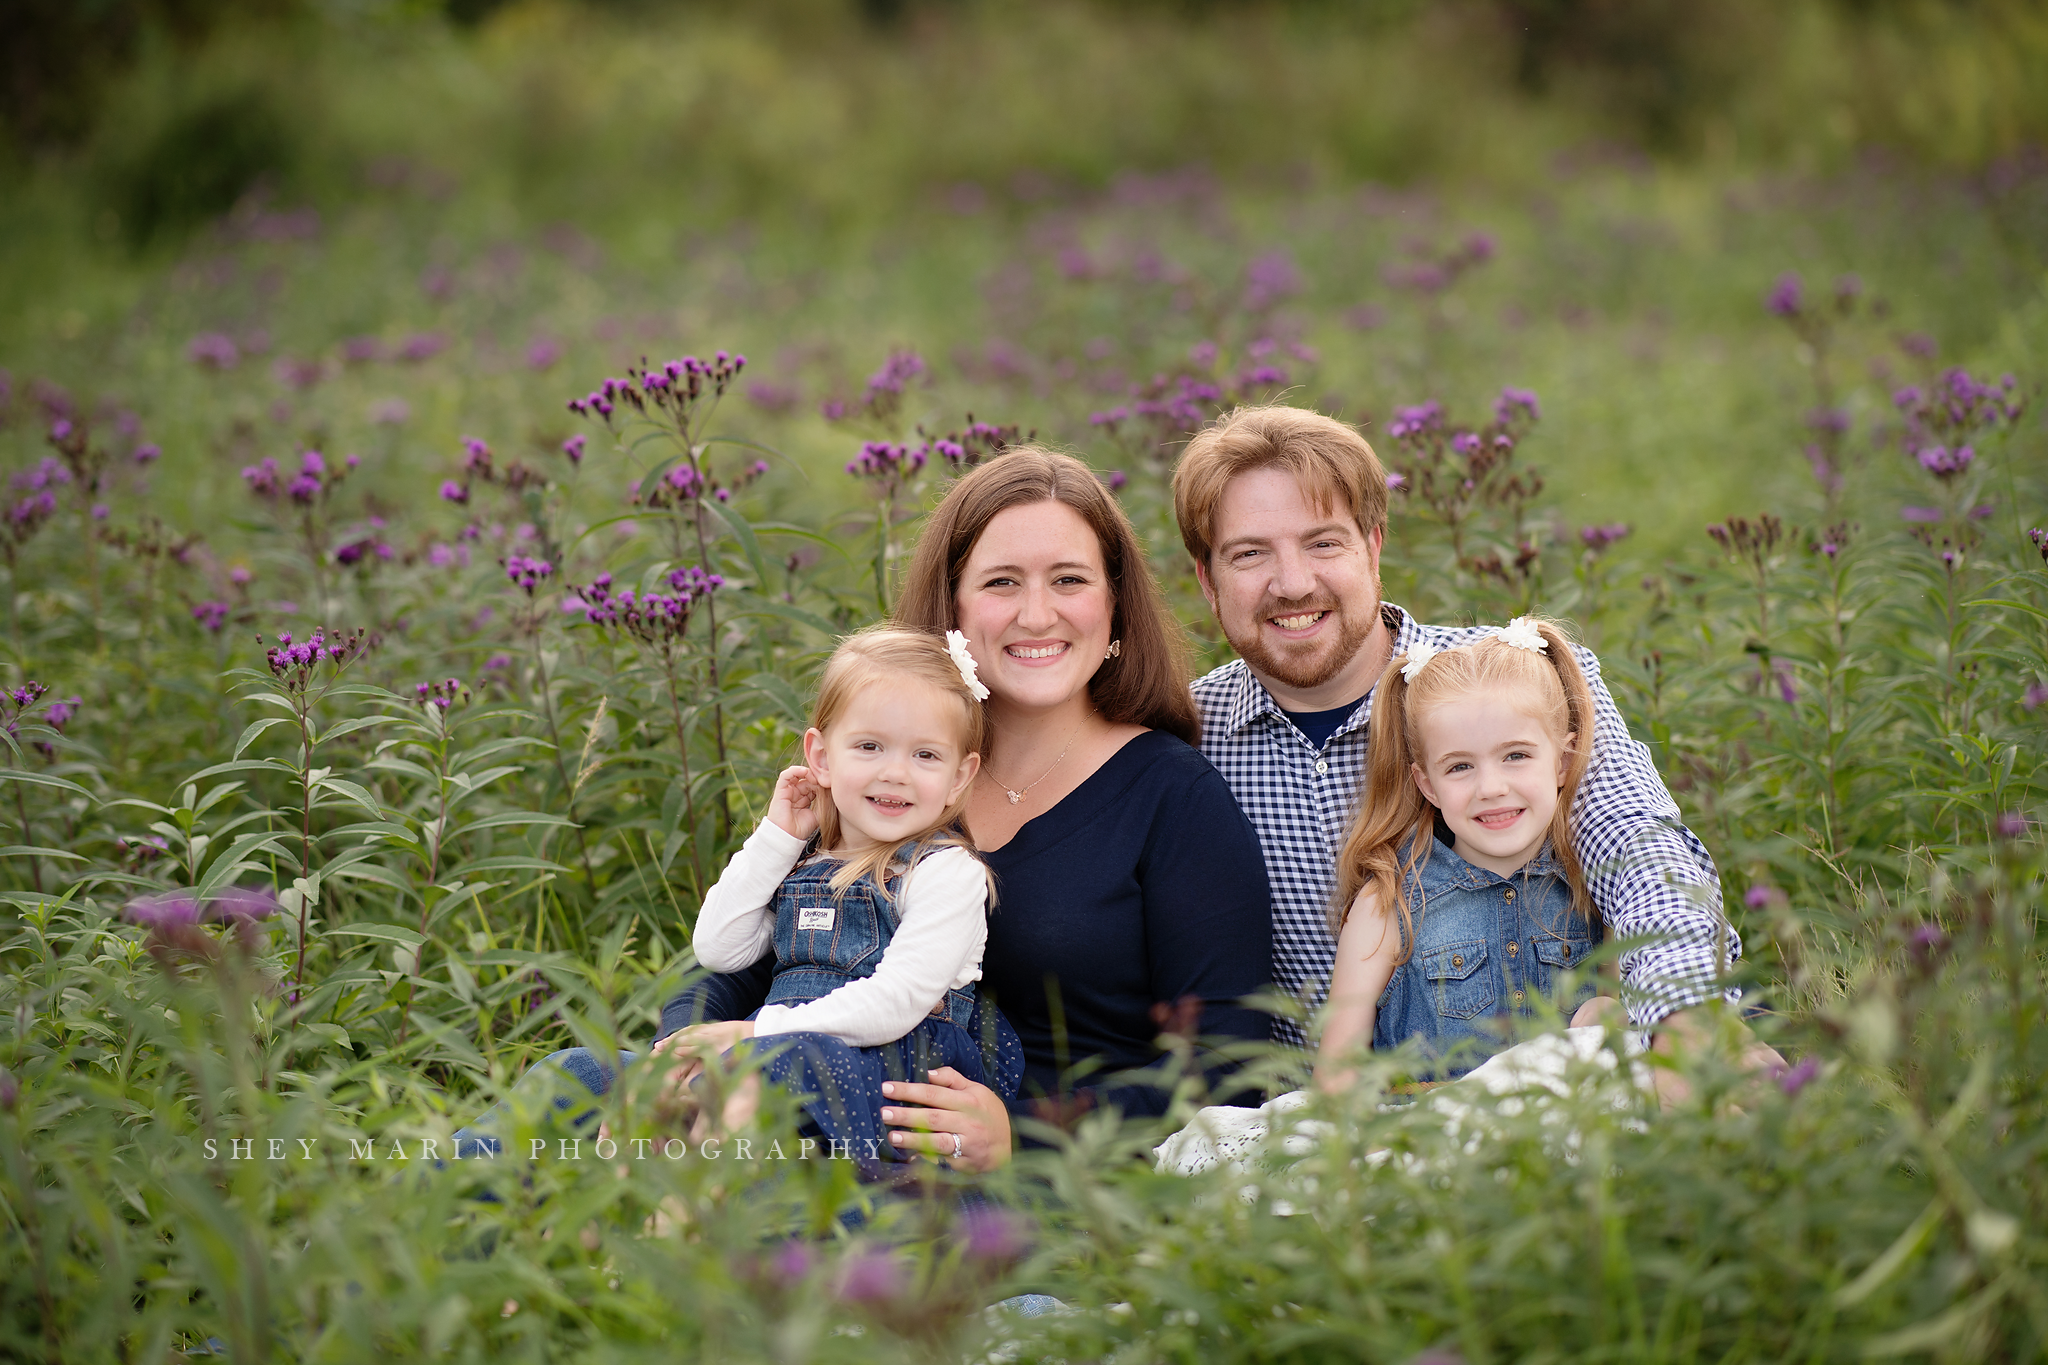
[(1486, 948)]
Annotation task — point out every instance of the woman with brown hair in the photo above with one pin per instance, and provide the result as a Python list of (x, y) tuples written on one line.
[(1132, 893)]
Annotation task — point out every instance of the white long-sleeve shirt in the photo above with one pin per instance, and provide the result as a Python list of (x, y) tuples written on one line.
[(941, 930)]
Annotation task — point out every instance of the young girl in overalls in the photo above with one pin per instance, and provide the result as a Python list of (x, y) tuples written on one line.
[(1461, 901), (871, 898)]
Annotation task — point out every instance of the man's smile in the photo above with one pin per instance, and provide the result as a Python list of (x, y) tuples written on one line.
[(1300, 621)]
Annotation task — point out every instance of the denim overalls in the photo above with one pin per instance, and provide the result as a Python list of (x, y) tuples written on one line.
[(826, 938), (1486, 948)]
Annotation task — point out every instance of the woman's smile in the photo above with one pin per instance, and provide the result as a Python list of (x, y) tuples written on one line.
[(1032, 652)]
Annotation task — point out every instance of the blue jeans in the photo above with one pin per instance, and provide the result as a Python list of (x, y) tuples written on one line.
[(720, 996)]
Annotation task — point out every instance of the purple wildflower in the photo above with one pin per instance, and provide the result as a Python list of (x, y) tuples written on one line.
[(1785, 295), (1116, 479), (1270, 278), (871, 1276), (214, 351), (1922, 515), (993, 1234), (2011, 824), (542, 353), (211, 616), (573, 448), (1798, 1077), (1516, 404), (242, 904), (147, 452), (1944, 463), (1598, 538), (422, 346), (168, 911), (262, 477), (527, 572), (1202, 355), (1762, 894), (451, 491)]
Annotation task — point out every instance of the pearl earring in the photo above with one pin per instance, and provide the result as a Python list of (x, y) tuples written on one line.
[(1115, 650)]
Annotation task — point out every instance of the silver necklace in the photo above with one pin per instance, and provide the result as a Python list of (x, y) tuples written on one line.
[(1018, 794)]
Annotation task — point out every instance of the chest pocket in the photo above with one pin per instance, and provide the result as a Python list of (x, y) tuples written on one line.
[(817, 927), (1562, 954), (1459, 986)]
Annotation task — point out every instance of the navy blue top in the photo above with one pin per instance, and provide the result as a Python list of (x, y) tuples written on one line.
[(1317, 726), (1144, 886)]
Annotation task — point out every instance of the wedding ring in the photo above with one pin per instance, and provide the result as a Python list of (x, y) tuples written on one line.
[(957, 1150)]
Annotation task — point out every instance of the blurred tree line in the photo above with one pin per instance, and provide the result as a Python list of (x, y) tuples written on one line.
[(1958, 83)]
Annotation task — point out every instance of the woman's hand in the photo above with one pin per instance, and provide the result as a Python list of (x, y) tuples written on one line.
[(952, 1107), (794, 807)]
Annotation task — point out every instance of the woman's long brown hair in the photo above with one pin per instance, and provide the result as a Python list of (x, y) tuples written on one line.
[(1394, 813), (1148, 683)]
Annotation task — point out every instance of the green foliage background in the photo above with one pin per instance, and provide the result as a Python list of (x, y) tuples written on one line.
[(1051, 205)]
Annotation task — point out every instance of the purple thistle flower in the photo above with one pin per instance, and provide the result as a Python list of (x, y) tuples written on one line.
[(1944, 463), (477, 457), (870, 1277), (211, 615), (573, 448), (2035, 695), (1598, 538), (1202, 355), (1785, 295), (1396, 481), (993, 1234), (527, 572), (1262, 376), (214, 351), (262, 477), (147, 452), (1922, 515), (542, 353), (793, 1262), (422, 346), (304, 489), (896, 373), (100, 511), (1760, 895), (1786, 689), (498, 661), (451, 491), (169, 911), (242, 904), (1515, 404), (1797, 1078), (362, 350), (1270, 278), (1116, 479), (2011, 824)]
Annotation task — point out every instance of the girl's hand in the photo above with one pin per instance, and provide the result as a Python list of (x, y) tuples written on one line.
[(794, 807), (953, 1107), (690, 1046)]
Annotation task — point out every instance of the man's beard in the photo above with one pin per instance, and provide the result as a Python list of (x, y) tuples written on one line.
[(1304, 670)]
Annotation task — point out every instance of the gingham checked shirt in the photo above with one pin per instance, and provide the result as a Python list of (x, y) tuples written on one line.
[(1651, 879)]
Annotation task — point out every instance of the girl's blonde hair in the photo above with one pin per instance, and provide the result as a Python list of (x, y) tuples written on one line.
[(890, 654), (1394, 812)]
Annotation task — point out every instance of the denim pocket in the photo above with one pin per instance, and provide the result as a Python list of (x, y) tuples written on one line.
[(1561, 955), (1457, 985)]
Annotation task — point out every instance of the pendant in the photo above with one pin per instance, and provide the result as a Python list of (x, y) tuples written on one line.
[(1015, 797)]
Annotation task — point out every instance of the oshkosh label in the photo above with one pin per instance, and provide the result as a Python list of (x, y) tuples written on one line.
[(814, 917)]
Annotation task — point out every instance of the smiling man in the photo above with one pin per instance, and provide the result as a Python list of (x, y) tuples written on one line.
[(1285, 513)]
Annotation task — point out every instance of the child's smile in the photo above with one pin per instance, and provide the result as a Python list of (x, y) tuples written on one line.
[(893, 763), (1494, 773)]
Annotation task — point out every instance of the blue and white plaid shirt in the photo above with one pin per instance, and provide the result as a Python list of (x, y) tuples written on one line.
[(1651, 879)]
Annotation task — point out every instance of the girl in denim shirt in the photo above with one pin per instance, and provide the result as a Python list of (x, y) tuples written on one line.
[(871, 900), (1461, 900)]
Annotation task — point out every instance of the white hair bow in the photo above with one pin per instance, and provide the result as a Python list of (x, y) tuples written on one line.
[(956, 645), (1522, 634), (1419, 655)]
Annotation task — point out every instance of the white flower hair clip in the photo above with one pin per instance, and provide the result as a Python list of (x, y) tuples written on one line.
[(956, 645), (1522, 634), (1419, 655)]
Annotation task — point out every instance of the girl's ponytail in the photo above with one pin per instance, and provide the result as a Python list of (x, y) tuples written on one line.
[(1391, 810)]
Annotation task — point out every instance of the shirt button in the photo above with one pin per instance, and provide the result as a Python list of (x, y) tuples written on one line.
[(1518, 997), (1510, 894), (1322, 765), (1512, 947), (1457, 959)]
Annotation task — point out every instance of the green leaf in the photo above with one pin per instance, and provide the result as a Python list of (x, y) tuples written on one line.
[(386, 933), (253, 731), (32, 851), (353, 791), (744, 534), (514, 864), (245, 765), (755, 605), (45, 780)]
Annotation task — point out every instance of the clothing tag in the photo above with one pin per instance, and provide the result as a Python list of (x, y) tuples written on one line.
[(814, 917)]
